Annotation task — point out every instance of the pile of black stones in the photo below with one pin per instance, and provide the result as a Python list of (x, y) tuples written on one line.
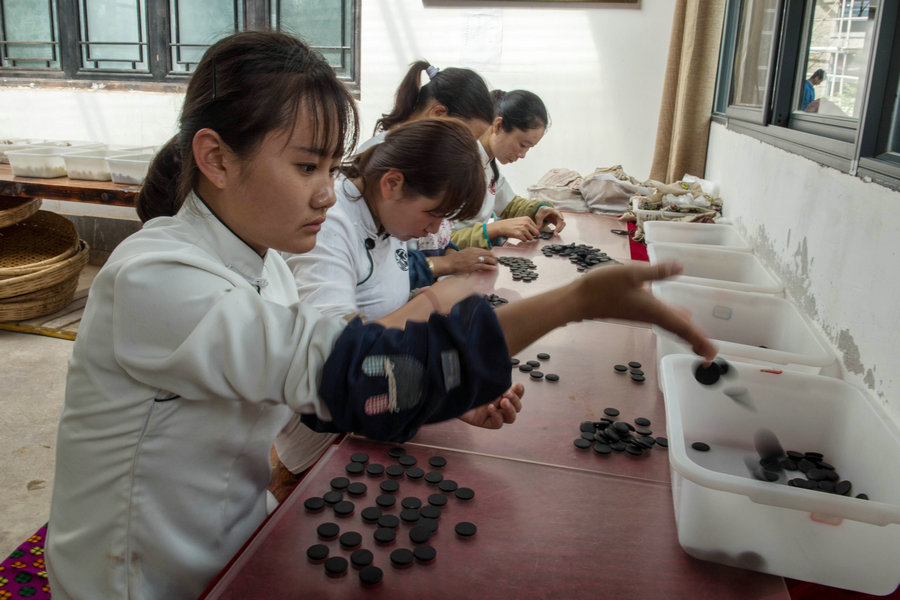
[(422, 518)]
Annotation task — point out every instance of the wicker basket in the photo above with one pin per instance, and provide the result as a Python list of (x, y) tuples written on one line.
[(39, 303), (50, 275), (40, 240), (14, 209)]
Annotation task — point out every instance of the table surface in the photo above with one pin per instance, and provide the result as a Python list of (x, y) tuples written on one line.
[(543, 532), (553, 521), (63, 188)]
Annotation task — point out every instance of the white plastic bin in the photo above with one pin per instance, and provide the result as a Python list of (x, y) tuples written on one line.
[(45, 159), (752, 327), (34, 161), (703, 234), (725, 515), (129, 168), (89, 164), (717, 267)]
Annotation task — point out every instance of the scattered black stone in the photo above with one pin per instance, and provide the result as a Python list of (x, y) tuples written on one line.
[(495, 300)]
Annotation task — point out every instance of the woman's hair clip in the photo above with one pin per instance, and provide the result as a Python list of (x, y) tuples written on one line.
[(432, 71)]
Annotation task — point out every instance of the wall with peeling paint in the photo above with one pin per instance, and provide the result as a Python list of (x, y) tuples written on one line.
[(833, 239)]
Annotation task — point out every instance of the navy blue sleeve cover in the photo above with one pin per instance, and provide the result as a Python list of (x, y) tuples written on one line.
[(386, 383), (419, 274)]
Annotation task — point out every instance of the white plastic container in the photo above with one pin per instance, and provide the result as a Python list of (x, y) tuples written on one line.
[(89, 164), (752, 327), (37, 161), (717, 267), (701, 234), (725, 515), (129, 168)]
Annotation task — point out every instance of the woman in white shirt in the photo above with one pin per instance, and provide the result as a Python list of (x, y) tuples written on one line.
[(448, 92), (519, 123), (194, 350)]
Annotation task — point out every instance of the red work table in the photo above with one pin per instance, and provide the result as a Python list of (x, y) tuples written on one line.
[(553, 521), (543, 532)]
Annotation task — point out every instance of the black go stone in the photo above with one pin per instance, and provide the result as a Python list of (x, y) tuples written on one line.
[(355, 468), (430, 512), (313, 504), (434, 477), (344, 508), (419, 534), (339, 483), (424, 553), (389, 486), (415, 473), (394, 470), (370, 575), (332, 497), (464, 493), (357, 488), (700, 446), (406, 460), (437, 499), (582, 444), (389, 521), (336, 565), (448, 485), (437, 462), (396, 452), (384, 535), (410, 515), (551, 377), (411, 502), (328, 530), (465, 529), (361, 557), (317, 552), (350, 539), (402, 557), (371, 513), (375, 469), (385, 500), (360, 457)]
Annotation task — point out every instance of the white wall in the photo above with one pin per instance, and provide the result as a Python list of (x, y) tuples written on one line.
[(833, 239), (598, 67)]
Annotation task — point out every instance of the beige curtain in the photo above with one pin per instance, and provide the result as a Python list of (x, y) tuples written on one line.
[(683, 130)]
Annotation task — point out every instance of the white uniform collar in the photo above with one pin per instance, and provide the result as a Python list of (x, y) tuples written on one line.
[(356, 208), (235, 253)]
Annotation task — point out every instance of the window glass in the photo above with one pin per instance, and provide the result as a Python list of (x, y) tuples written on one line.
[(753, 56), (196, 25), (113, 35), (28, 35), (325, 24), (837, 57)]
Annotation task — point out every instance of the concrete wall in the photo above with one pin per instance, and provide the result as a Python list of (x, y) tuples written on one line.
[(598, 67), (832, 239)]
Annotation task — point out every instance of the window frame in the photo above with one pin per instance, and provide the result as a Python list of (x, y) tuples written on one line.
[(859, 150), (256, 15)]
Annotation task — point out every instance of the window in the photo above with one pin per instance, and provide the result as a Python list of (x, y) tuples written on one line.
[(159, 40), (816, 77)]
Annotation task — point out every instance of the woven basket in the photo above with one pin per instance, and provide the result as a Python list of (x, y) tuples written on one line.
[(40, 240), (14, 209), (39, 303), (48, 276)]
